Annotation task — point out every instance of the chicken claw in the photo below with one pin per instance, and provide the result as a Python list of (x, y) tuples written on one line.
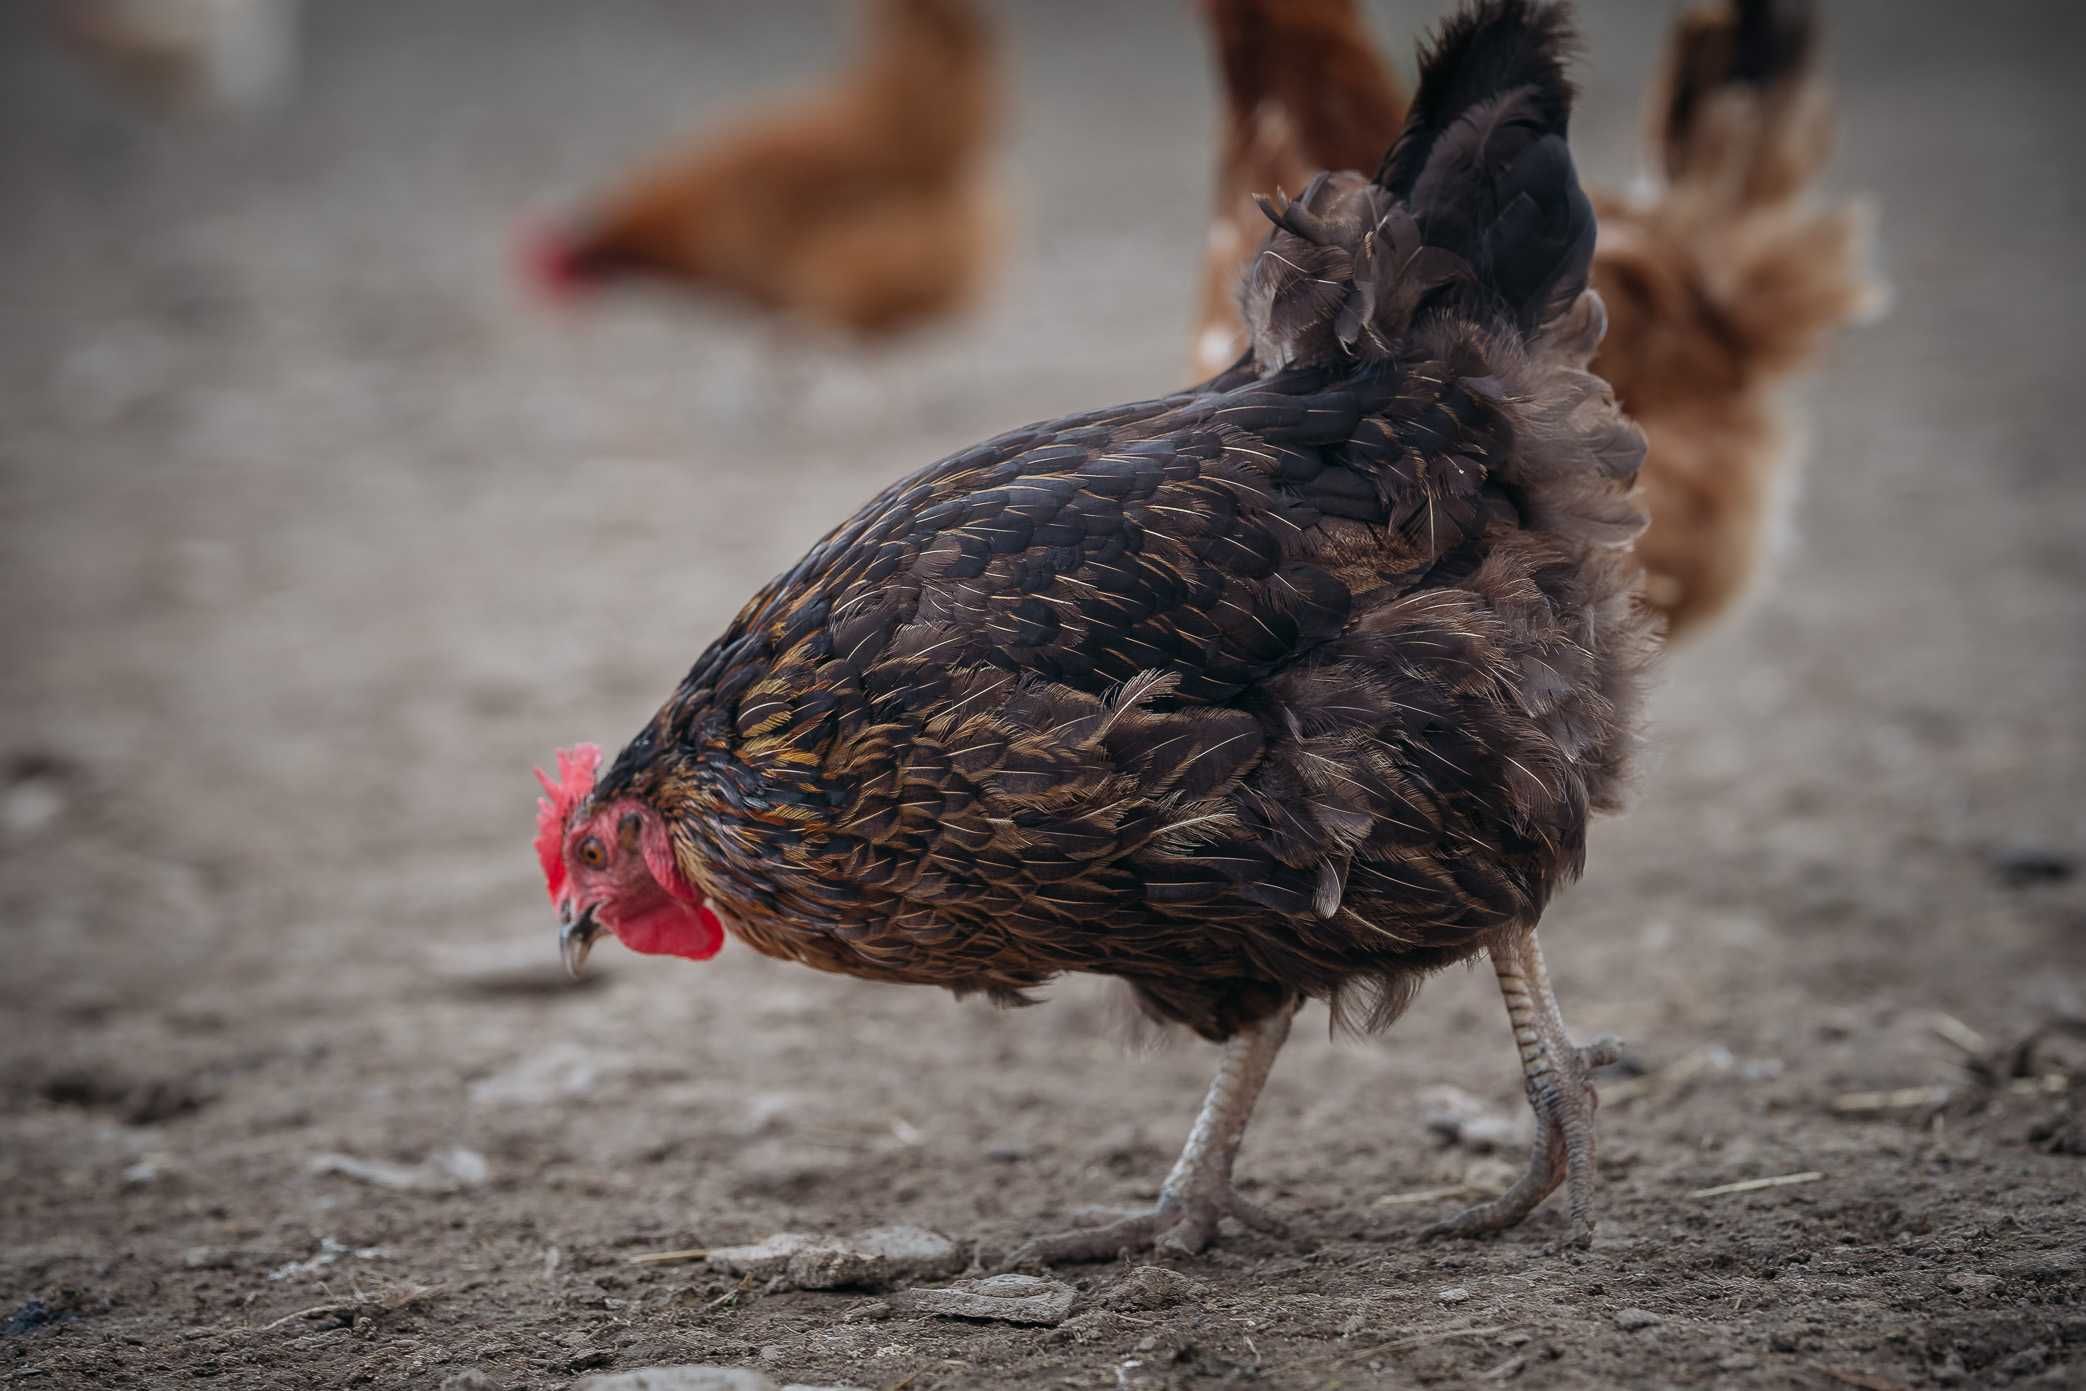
[(1198, 1194), (1557, 1073)]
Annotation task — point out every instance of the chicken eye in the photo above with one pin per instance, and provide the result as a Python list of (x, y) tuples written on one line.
[(592, 853)]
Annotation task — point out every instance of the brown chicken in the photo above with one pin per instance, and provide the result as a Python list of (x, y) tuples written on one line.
[(1718, 287), (865, 207), (1298, 685), (1304, 90)]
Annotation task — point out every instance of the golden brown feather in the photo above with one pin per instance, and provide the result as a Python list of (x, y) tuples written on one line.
[(1719, 287), (866, 206)]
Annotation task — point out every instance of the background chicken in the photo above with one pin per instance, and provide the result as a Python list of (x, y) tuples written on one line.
[(1304, 90), (1299, 685), (1718, 286), (230, 54), (863, 207)]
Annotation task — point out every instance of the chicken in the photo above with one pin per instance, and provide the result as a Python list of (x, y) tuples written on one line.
[(866, 207), (1298, 685), (1718, 288), (1304, 90), (224, 54)]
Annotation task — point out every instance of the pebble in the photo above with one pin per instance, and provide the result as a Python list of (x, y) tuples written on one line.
[(1008, 1298), (446, 1172), (689, 1378), (879, 1256), (1630, 1320), (1454, 1294), (1458, 1118)]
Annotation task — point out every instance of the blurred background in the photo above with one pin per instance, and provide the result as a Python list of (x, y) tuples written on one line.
[(319, 527)]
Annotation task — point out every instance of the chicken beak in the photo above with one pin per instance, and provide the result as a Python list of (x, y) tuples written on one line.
[(576, 939)]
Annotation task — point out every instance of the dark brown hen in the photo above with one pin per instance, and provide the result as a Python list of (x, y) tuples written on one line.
[(1299, 685)]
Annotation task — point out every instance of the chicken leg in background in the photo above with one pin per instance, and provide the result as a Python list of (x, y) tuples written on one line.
[(1304, 90), (1722, 284), (864, 207)]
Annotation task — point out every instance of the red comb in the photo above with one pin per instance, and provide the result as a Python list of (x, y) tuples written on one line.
[(576, 767)]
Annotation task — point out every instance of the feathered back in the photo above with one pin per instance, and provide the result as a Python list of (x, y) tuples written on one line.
[(1476, 208)]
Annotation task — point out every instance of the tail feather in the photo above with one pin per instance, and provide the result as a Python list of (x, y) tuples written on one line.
[(1740, 103), (1477, 208), (1483, 163)]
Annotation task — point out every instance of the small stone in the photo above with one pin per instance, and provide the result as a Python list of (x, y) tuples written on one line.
[(1457, 1118), (690, 1378), (1454, 1294), (2021, 867), (587, 1359), (773, 1352), (769, 1256), (1008, 1298), (1970, 1282), (28, 807), (446, 1172), (1630, 1320), (877, 1257), (1738, 1362), (1151, 1287), (472, 1380), (145, 1171)]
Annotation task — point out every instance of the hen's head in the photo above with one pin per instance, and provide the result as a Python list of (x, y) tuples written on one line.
[(610, 867)]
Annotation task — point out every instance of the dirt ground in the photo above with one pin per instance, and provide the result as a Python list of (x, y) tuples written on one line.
[(317, 537)]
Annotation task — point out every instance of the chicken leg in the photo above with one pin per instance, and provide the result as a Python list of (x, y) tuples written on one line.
[(1556, 1074), (1197, 1195)]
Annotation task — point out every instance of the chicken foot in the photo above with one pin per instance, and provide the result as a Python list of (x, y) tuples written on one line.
[(1198, 1194), (1556, 1073)]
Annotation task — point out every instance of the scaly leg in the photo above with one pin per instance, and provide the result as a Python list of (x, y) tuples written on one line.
[(1555, 1072), (1198, 1193)]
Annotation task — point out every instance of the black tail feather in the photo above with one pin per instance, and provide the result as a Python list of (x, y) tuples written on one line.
[(1476, 211), (1493, 48), (1483, 162)]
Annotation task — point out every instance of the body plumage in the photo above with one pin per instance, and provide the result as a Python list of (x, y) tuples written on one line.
[(1296, 685)]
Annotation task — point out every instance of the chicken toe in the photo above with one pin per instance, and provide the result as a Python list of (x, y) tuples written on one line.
[(1557, 1074), (1197, 1195)]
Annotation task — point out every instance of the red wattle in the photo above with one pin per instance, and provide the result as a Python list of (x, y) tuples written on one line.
[(673, 929)]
